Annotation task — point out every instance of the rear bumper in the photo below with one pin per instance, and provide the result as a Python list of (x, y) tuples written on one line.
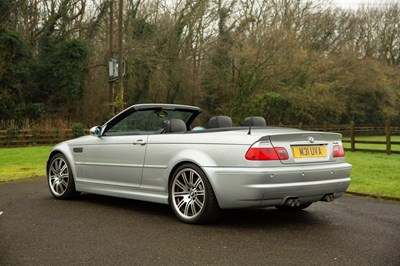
[(256, 187)]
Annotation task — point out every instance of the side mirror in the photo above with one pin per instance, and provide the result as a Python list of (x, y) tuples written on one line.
[(95, 131)]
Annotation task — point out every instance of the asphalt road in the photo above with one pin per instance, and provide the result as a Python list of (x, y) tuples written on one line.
[(35, 229)]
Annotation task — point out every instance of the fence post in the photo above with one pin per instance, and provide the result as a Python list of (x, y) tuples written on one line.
[(388, 134), (300, 126), (325, 125), (352, 136)]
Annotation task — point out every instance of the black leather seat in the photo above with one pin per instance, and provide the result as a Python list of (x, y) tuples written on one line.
[(174, 125), (220, 121), (255, 121)]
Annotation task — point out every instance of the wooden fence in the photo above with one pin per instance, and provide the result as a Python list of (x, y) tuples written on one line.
[(353, 131), (388, 131), (24, 137), (19, 138)]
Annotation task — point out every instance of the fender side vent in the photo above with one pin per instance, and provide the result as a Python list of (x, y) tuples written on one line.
[(78, 149)]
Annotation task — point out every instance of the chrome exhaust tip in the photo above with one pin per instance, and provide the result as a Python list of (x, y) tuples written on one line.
[(328, 198), (292, 202), (297, 203)]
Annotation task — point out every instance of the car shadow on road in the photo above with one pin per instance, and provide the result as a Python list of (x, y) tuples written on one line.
[(271, 217), (257, 217)]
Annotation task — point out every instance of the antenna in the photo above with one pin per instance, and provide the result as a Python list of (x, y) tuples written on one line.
[(251, 122)]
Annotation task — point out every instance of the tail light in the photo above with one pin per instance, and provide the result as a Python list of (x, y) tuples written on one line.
[(338, 151), (264, 151)]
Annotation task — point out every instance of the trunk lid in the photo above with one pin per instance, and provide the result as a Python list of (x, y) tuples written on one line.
[(307, 146)]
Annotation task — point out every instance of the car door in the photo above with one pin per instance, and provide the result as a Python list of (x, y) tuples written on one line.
[(115, 160), (116, 156)]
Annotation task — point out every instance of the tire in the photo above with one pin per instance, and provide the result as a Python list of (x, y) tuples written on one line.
[(295, 208), (191, 196), (60, 178)]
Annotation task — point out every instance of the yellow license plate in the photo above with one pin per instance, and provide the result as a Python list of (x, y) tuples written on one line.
[(313, 151)]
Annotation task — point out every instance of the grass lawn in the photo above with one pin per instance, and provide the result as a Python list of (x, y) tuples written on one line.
[(19, 163), (374, 173), (373, 146)]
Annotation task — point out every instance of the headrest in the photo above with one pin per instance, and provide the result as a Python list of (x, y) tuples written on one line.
[(220, 121), (174, 125), (255, 121)]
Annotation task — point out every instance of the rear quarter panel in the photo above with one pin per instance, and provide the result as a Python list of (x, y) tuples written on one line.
[(165, 151)]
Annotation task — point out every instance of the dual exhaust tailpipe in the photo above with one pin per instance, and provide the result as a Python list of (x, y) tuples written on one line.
[(328, 198), (292, 202), (295, 202)]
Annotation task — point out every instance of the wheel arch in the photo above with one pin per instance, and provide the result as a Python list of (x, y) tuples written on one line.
[(191, 156), (64, 150), (51, 155), (171, 173), (177, 165)]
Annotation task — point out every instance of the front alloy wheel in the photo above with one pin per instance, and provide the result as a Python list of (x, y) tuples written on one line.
[(191, 196), (60, 178)]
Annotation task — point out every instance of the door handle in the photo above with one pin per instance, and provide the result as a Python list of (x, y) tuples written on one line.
[(140, 142)]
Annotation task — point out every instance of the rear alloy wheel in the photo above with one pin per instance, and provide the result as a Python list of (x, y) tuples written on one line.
[(60, 178), (191, 196)]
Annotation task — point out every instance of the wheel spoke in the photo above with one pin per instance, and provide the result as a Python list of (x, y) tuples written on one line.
[(180, 204), (193, 208), (60, 162), (198, 183), (63, 169), (54, 185), (65, 176), (186, 212), (191, 176), (201, 192), (61, 187), (187, 184), (64, 183), (180, 185), (181, 194), (57, 187), (199, 203), (52, 169)]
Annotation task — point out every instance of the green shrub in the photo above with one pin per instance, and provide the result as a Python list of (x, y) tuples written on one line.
[(77, 130), (11, 134), (35, 133)]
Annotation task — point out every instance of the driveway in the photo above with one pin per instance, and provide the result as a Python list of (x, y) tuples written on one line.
[(35, 229)]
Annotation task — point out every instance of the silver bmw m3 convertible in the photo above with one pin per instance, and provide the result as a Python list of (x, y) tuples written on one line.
[(152, 152)]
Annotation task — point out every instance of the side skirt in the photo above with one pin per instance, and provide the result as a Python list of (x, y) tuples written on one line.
[(122, 192)]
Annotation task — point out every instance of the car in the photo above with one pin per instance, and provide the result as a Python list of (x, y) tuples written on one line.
[(153, 152)]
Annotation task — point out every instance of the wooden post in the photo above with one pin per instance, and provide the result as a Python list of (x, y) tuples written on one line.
[(120, 98), (111, 96), (388, 133), (352, 137)]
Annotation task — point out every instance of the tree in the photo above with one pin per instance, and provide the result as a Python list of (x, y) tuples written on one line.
[(290, 61), (60, 77), (14, 73)]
